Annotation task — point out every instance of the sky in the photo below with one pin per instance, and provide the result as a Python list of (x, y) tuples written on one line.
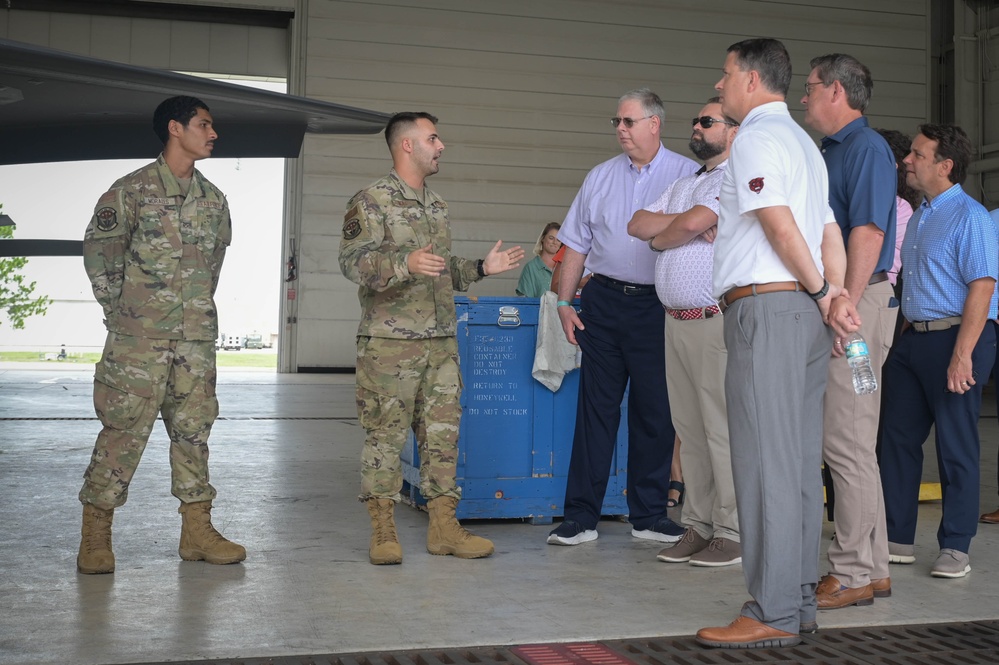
[(56, 201)]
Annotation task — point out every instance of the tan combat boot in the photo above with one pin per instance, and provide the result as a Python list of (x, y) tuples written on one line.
[(199, 541), (447, 536), (95, 555), (384, 548)]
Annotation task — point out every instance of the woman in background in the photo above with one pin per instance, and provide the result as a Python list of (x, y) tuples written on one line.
[(906, 198), (537, 274)]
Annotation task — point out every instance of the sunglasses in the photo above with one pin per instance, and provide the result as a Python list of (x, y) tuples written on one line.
[(707, 121), (628, 122)]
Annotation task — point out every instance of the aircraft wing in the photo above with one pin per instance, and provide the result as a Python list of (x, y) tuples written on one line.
[(57, 106)]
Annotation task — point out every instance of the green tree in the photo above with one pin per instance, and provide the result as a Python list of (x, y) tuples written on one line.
[(15, 294)]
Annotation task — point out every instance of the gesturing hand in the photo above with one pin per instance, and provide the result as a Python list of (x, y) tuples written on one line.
[(498, 261), (424, 262)]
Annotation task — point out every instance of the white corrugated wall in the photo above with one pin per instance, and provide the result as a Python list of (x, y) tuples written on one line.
[(524, 90)]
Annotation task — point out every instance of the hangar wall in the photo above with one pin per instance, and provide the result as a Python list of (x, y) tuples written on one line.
[(524, 90)]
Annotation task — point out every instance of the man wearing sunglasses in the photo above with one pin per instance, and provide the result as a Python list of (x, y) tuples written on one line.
[(779, 260), (620, 330), (862, 181), (681, 225)]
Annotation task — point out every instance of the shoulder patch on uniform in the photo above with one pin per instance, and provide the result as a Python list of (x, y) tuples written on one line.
[(107, 219), (352, 222), (756, 185), (351, 228)]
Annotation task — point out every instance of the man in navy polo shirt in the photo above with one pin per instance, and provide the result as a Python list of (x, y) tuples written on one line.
[(862, 181)]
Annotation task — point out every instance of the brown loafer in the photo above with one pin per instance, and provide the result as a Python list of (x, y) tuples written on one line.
[(990, 518), (882, 587), (746, 633), (831, 595)]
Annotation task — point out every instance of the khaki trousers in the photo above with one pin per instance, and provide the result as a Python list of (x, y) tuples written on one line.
[(859, 552), (695, 376)]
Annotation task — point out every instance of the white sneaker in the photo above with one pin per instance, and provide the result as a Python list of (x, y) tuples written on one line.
[(571, 532), (951, 563)]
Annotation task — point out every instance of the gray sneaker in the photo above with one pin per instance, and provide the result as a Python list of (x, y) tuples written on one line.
[(719, 552), (690, 544), (951, 563), (898, 553)]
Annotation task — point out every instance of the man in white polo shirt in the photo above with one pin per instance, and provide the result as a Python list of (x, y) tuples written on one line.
[(779, 260), (681, 225)]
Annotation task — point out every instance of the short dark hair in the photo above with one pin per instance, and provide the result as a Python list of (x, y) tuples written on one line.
[(952, 144), (852, 74), (180, 108), (401, 121), (769, 58), (900, 145), (717, 100)]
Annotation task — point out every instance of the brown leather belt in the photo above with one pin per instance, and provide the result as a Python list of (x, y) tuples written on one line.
[(877, 278), (693, 314), (939, 324), (757, 290)]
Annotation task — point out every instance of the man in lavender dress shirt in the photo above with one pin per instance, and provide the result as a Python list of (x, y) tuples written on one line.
[(619, 329)]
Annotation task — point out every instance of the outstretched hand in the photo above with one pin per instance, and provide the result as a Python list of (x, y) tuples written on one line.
[(498, 260)]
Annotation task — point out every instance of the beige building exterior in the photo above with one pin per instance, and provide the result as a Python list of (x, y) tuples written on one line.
[(524, 90)]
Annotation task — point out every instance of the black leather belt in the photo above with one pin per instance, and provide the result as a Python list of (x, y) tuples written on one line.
[(627, 288), (877, 278)]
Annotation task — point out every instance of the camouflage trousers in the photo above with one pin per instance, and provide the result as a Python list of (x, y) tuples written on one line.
[(403, 384), (136, 379)]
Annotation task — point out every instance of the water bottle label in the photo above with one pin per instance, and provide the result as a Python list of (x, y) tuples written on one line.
[(855, 349)]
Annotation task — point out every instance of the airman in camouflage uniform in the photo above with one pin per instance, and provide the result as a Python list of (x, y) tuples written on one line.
[(153, 252), (397, 246)]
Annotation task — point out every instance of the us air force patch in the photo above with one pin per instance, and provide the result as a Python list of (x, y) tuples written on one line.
[(351, 229), (107, 219)]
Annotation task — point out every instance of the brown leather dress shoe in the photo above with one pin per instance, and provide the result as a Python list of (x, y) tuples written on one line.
[(831, 595), (882, 587), (746, 633), (990, 518)]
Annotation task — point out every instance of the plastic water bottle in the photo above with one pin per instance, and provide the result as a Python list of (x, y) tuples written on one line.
[(857, 355)]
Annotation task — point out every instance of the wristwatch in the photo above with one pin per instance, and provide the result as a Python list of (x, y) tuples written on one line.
[(821, 293), (479, 269)]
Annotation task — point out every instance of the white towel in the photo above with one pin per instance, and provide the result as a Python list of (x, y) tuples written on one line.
[(554, 356)]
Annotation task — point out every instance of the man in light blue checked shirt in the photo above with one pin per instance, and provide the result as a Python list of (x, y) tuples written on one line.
[(936, 370)]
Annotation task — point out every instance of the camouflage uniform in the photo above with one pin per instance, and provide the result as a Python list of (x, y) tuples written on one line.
[(407, 353), (154, 256)]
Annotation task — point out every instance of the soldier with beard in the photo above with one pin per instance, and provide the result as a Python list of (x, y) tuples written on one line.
[(681, 225)]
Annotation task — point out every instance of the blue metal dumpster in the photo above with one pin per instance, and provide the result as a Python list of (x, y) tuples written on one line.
[(516, 435)]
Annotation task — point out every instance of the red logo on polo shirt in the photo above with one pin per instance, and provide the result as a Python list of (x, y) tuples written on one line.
[(756, 185)]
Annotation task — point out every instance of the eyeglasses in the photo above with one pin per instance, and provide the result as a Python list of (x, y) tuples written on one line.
[(707, 121), (628, 122), (810, 86)]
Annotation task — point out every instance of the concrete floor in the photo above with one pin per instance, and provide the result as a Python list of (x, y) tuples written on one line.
[(285, 462)]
